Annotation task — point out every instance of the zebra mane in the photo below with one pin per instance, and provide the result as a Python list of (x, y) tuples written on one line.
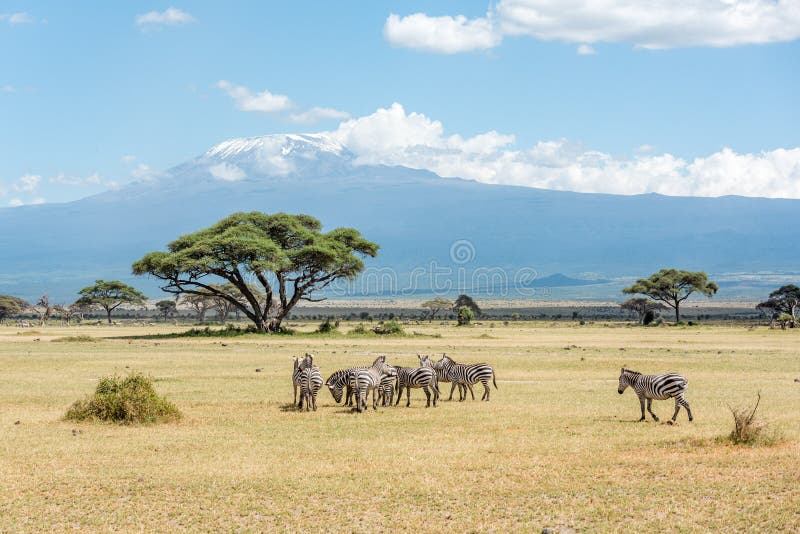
[(630, 372)]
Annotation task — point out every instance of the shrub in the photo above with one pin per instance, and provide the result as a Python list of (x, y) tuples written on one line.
[(389, 328), (124, 400), (465, 316), (327, 327), (749, 430), (359, 329)]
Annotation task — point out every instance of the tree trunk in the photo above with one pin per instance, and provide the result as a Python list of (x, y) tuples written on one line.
[(677, 312), (108, 312)]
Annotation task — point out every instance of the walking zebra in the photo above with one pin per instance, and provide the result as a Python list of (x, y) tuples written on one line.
[(467, 374), (310, 382), (364, 381), (659, 387), (417, 377)]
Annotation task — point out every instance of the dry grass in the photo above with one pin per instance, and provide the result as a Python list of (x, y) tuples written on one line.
[(556, 446)]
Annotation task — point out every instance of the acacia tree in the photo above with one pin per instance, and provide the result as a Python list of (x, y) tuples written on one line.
[(784, 300), (466, 300), (673, 286), (436, 305), (44, 309), (110, 295), (641, 305), (167, 308), (200, 304), (287, 257), (11, 306)]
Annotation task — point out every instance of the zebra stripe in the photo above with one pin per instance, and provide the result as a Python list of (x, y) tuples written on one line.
[(339, 381), (659, 387), (417, 377), (441, 374), (386, 390), (364, 381), (467, 374), (297, 372), (311, 381)]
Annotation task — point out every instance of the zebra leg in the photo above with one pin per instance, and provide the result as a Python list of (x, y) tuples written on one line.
[(469, 386), (650, 409), (641, 403), (348, 395), (487, 390), (295, 394), (314, 400), (399, 394), (428, 395), (452, 389), (688, 411)]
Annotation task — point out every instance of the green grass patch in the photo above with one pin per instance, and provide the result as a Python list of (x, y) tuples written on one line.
[(124, 400)]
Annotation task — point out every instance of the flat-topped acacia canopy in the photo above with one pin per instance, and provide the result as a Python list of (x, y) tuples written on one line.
[(272, 260)]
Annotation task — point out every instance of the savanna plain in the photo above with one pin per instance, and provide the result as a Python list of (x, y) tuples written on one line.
[(556, 447)]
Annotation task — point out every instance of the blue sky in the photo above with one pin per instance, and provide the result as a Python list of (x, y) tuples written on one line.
[(89, 98)]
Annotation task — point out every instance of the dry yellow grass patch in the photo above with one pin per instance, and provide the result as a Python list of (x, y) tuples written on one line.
[(556, 446)]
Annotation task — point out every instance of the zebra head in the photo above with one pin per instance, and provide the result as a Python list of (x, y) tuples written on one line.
[(308, 361), (336, 392), (424, 361), (624, 380)]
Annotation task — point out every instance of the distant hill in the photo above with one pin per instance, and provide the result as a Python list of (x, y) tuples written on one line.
[(423, 222)]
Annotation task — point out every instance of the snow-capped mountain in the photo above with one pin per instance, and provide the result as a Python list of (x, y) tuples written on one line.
[(416, 217)]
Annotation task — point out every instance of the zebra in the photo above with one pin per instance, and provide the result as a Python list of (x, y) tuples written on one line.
[(386, 390), (659, 387), (417, 377), (311, 381), (441, 374), (297, 373), (339, 383), (467, 374), (365, 380)]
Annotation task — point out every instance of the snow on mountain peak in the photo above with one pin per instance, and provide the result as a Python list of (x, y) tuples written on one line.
[(303, 145)]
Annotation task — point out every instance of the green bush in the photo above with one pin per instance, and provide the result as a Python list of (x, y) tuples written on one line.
[(124, 400), (465, 316), (389, 328), (359, 329), (327, 327)]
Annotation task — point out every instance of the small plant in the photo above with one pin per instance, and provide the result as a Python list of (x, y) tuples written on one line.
[(327, 327), (389, 328), (749, 430), (124, 400), (359, 329), (465, 316)]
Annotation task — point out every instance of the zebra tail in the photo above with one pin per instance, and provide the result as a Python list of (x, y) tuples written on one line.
[(493, 379)]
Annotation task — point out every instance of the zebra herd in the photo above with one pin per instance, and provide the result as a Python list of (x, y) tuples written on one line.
[(383, 381)]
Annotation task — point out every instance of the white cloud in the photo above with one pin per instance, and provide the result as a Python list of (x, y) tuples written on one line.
[(146, 173), (446, 35), (227, 172), (37, 201), (653, 24), (28, 183), (313, 115), (393, 137), (170, 17), (586, 50), (62, 179), (246, 100), (7, 89), (128, 159), (15, 202), (17, 18)]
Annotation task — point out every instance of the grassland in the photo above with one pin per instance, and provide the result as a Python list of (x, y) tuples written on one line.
[(556, 446)]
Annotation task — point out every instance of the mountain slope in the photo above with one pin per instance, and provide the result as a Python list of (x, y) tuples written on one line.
[(414, 215)]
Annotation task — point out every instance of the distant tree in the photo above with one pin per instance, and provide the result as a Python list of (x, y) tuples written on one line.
[(200, 304), (44, 309), (465, 315), (11, 306), (784, 300), (67, 313), (436, 305), (167, 308), (641, 306), (110, 295), (288, 256), (673, 286), (466, 300)]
